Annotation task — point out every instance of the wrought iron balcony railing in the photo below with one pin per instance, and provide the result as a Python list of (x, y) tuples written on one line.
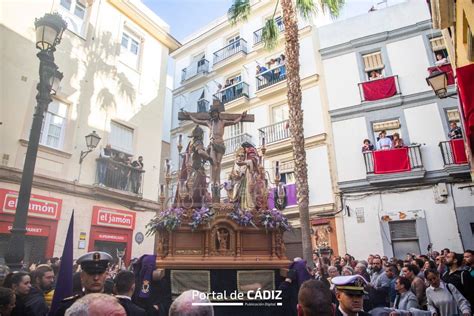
[(412, 153), (233, 92), (453, 152), (257, 35), (270, 77), (120, 176), (275, 132), (230, 50), (201, 66), (231, 144)]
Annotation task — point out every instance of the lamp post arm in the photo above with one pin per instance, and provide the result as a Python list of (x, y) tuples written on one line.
[(15, 250), (83, 155)]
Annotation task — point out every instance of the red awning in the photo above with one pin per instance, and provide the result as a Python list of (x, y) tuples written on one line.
[(379, 89), (465, 76), (444, 68), (391, 161)]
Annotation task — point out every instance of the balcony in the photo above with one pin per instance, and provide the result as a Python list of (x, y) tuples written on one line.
[(119, 177), (258, 34), (275, 132), (195, 70), (396, 164), (233, 143), (379, 89), (233, 49), (233, 92), (447, 68), (454, 156), (270, 77), (202, 105)]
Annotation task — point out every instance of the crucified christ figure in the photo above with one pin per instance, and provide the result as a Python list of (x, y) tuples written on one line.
[(216, 148)]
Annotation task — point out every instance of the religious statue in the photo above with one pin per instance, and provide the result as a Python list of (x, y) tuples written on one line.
[(216, 123), (322, 236), (243, 177), (222, 237)]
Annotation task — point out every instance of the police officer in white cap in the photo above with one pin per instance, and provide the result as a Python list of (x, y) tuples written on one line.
[(349, 293), (93, 265)]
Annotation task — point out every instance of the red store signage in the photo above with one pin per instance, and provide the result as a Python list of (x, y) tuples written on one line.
[(40, 206), (109, 217), (31, 230), (111, 237)]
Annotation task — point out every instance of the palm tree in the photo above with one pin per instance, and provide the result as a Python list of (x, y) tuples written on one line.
[(239, 11)]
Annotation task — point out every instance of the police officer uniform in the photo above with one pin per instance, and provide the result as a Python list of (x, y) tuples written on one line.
[(351, 285), (95, 262)]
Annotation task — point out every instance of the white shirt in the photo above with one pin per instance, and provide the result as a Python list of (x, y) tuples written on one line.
[(384, 143)]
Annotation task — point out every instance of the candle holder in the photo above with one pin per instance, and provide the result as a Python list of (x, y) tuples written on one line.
[(180, 142)]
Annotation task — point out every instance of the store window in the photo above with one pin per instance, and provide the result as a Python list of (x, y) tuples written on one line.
[(54, 125)]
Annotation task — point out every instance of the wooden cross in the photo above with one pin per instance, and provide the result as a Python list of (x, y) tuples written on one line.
[(206, 116)]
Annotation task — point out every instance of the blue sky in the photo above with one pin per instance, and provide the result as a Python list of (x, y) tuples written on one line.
[(187, 16)]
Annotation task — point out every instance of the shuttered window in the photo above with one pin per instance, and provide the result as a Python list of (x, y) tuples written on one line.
[(453, 115), (437, 43), (373, 61), (403, 230), (121, 137), (387, 125)]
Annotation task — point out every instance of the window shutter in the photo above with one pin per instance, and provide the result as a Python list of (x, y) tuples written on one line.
[(437, 43), (403, 230), (453, 115), (121, 137), (387, 125), (373, 61)]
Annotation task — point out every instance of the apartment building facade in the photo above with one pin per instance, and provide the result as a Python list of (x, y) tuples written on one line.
[(403, 199), (113, 57), (221, 61)]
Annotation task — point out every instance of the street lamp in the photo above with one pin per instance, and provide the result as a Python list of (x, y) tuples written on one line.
[(438, 81), (92, 140), (49, 30)]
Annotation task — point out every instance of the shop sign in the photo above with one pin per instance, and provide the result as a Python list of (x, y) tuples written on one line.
[(111, 237), (388, 216), (31, 230), (40, 206), (139, 237), (113, 218)]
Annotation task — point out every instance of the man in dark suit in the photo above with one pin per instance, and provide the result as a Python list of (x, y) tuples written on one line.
[(349, 293), (124, 288)]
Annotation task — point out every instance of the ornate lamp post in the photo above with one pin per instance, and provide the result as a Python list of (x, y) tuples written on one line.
[(49, 30), (438, 81), (92, 140)]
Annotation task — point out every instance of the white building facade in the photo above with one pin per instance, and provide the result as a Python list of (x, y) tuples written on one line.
[(221, 54), (404, 199), (113, 56)]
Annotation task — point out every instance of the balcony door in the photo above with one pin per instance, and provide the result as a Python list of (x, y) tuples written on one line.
[(280, 113), (233, 43)]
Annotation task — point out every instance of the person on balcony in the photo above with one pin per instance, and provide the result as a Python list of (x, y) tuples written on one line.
[(367, 146), (267, 75), (441, 60), (397, 142), (384, 143), (228, 91), (455, 131), (105, 155), (136, 174), (374, 75)]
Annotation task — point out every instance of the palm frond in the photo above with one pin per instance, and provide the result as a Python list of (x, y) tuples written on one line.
[(306, 8), (270, 34), (332, 6), (239, 11)]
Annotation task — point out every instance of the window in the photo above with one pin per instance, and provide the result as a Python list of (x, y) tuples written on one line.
[(130, 48), (287, 173), (54, 124), (453, 115), (279, 22), (121, 137), (438, 46), (233, 42), (235, 130), (391, 127), (404, 238), (373, 62), (74, 12), (280, 113)]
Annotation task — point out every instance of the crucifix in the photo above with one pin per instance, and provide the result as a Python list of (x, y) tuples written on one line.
[(216, 122)]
